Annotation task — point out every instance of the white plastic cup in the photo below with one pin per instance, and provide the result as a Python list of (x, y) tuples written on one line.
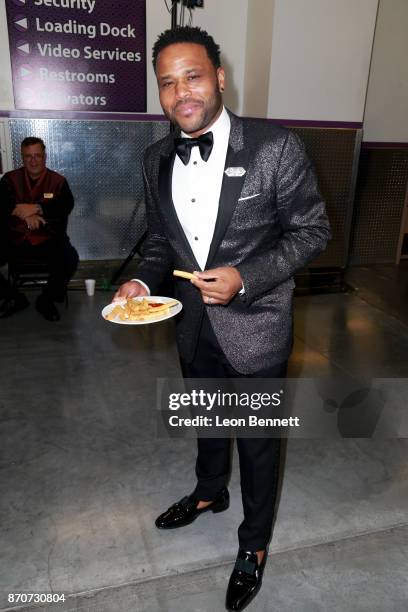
[(90, 286)]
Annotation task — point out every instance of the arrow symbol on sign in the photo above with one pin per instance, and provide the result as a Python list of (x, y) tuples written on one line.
[(25, 72), (23, 23), (24, 47)]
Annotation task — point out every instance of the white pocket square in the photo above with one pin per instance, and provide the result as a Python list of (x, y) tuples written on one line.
[(237, 171), (249, 197)]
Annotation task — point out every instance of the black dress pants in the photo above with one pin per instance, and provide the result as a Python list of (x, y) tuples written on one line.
[(60, 256), (258, 457)]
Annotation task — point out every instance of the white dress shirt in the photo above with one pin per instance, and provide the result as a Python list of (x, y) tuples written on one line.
[(196, 189)]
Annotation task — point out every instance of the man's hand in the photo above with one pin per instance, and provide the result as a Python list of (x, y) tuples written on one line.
[(34, 222), (26, 210), (129, 290), (219, 285)]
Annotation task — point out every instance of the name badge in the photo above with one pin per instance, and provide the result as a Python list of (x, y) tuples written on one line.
[(48, 196), (235, 171)]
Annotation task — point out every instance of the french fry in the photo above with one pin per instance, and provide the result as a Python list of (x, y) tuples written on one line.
[(160, 308), (150, 315), (183, 274), (114, 313)]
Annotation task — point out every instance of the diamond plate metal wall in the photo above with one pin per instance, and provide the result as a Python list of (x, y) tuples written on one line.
[(334, 153), (102, 163), (380, 200)]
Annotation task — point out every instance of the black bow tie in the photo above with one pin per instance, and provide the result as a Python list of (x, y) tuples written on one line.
[(204, 142)]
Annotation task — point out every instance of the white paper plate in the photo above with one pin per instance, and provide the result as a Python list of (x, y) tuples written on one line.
[(152, 298)]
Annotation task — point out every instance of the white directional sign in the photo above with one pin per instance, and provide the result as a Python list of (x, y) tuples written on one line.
[(25, 72), (23, 23), (24, 47)]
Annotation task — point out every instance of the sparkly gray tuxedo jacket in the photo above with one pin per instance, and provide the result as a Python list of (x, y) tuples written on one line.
[(271, 222)]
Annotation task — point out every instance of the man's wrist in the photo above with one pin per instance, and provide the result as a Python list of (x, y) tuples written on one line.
[(137, 280), (241, 290)]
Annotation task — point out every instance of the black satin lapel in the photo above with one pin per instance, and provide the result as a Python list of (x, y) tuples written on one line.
[(230, 191), (167, 206), (165, 173)]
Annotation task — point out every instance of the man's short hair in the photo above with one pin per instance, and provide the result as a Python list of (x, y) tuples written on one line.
[(187, 34), (32, 140)]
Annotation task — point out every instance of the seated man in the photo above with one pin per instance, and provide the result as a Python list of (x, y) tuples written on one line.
[(34, 206)]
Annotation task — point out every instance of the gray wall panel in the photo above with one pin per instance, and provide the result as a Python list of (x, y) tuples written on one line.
[(380, 199), (334, 153)]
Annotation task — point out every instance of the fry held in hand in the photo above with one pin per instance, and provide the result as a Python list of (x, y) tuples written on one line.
[(140, 310), (183, 274)]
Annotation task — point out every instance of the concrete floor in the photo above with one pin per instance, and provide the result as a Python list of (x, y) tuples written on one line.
[(83, 474)]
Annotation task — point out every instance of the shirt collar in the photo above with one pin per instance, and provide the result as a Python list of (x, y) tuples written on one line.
[(220, 128)]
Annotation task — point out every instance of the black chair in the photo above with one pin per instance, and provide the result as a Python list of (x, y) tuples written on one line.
[(29, 272)]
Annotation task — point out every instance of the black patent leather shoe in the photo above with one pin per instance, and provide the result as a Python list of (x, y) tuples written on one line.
[(185, 511), (245, 581)]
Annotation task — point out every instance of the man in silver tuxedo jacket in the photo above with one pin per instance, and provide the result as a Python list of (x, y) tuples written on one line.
[(237, 202)]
